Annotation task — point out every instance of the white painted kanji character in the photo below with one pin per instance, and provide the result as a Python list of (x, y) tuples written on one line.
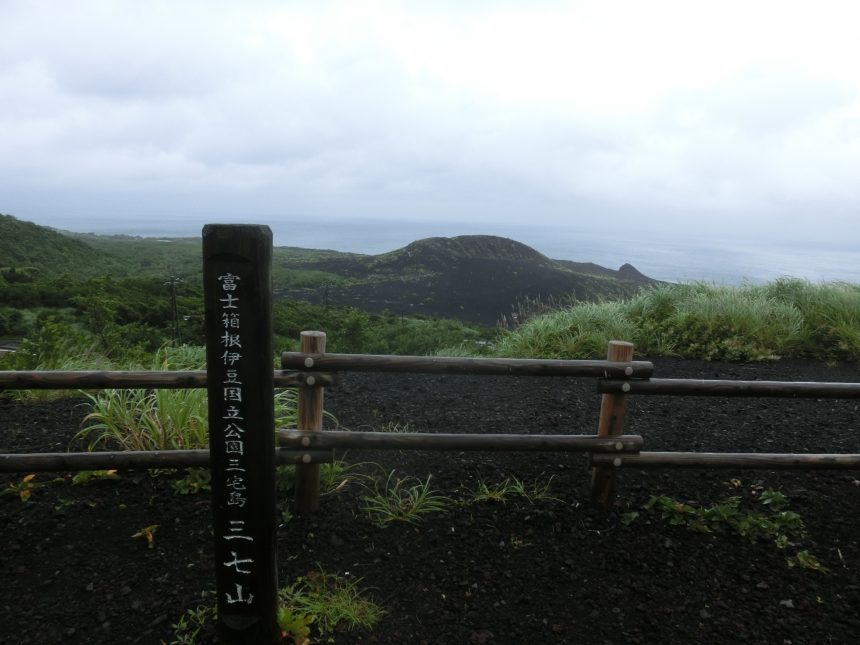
[(228, 281), (232, 412), (230, 358), (237, 526), (236, 482), (233, 465), (232, 378), (232, 431), (233, 394), (229, 302), (232, 600), (236, 499), (230, 320), (231, 340), (236, 562)]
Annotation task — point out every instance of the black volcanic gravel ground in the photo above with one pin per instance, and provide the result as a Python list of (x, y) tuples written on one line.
[(489, 572)]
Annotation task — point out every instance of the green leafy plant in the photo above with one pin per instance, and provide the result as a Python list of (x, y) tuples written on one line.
[(88, 476), (195, 481), (324, 602), (401, 499), (330, 602), (190, 625), (806, 560), (775, 522), (295, 626), (23, 489)]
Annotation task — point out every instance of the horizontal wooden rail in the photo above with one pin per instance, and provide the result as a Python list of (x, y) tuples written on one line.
[(696, 387), (59, 380), (72, 461), (449, 365), (769, 461), (336, 439)]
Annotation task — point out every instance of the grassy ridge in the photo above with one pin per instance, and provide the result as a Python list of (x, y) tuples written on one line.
[(785, 318)]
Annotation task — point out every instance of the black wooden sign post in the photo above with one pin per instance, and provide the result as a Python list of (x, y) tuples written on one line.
[(237, 289)]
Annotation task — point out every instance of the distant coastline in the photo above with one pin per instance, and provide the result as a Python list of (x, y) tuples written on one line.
[(722, 261)]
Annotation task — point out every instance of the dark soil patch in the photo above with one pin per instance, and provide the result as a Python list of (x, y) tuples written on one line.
[(487, 572), (474, 290)]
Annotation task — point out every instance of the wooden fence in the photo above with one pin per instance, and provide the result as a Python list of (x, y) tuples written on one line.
[(244, 446)]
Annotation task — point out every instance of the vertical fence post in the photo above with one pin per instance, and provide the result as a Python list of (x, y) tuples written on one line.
[(612, 410), (307, 491), (237, 290)]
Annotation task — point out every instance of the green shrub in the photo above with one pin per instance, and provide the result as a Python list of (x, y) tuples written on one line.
[(579, 332), (716, 322), (787, 317)]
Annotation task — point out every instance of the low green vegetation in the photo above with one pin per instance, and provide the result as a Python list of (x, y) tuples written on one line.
[(83, 477), (536, 491), (401, 499), (318, 605), (328, 601), (195, 480), (784, 318), (23, 489), (769, 519)]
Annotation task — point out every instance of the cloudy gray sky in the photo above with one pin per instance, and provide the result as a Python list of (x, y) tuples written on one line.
[(685, 116)]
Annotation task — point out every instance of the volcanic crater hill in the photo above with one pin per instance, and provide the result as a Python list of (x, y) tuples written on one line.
[(475, 278)]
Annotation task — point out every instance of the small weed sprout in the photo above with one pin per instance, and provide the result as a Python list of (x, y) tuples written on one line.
[(147, 533), (88, 476), (393, 426), (192, 623), (23, 489), (337, 476), (537, 492), (486, 493), (806, 560), (404, 500)]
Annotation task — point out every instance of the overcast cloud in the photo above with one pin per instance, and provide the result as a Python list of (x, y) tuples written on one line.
[(691, 115)]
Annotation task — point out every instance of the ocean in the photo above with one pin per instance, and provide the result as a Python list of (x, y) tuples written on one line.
[(720, 260)]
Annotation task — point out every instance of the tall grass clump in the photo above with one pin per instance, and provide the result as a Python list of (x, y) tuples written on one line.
[(787, 317), (715, 322), (831, 316), (55, 345), (163, 419), (581, 331)]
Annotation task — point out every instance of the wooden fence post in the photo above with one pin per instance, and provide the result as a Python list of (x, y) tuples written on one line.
[(237, 292), (310, 413), (612, 410)]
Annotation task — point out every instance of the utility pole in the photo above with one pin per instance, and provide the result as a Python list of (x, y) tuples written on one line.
[(177, 337)]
